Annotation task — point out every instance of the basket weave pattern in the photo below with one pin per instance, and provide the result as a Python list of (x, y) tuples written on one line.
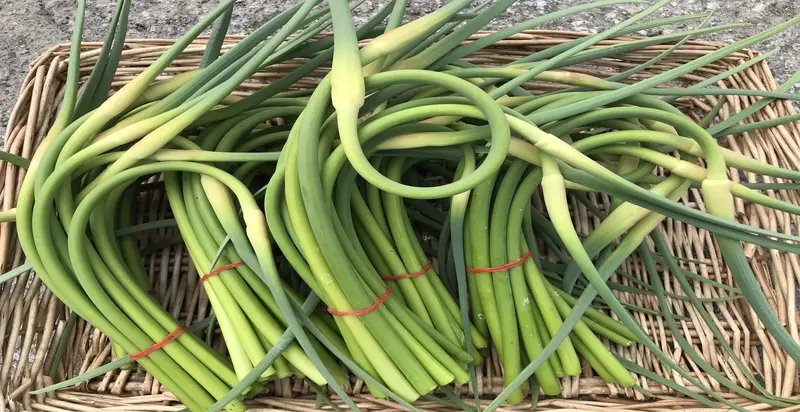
[(32, 320)]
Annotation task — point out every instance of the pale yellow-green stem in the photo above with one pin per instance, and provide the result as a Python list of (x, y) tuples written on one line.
[(9, 215), (681, 143), (697, 173), (116, 104), (163, 88), (660, 127), (408, 34), (626, 214)]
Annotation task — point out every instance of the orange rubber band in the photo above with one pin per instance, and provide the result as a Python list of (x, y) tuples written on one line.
[(428, 266), (502, 267), (220, 269), (371, 308), (160, 344)]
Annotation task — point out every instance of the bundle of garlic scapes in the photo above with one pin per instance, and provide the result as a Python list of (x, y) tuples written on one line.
[(403, 282)]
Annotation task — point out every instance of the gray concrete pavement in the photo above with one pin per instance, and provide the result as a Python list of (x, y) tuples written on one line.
[(28, 27)]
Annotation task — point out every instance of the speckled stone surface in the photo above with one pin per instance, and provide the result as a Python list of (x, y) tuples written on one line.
[(28, 27)]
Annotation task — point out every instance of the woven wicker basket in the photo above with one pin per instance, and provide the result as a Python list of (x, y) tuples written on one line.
[(33, 322)]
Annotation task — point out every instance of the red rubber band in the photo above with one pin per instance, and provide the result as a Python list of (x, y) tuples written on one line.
[(153, 292), (502, 267), (160, 344), (371, 308), (428, 266), (220, 269)]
